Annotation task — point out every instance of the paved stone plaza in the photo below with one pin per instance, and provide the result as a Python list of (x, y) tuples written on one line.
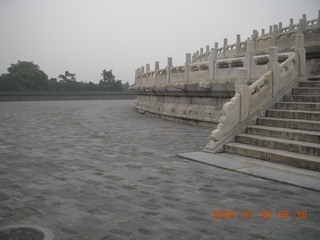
[(98, 170)]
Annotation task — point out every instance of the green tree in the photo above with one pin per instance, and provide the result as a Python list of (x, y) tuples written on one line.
[(27, 76), (67, 77), (109, 82), (24, 76)]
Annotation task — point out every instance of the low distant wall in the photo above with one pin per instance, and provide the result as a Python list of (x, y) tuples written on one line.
[(54, 96)]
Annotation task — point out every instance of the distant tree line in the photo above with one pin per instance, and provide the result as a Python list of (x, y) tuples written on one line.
[(27, 76)]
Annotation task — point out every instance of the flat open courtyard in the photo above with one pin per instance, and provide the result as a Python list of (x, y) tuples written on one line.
[(98, 170)]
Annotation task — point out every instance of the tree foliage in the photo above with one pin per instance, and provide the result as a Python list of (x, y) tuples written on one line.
[(24, 76), (67, 77), (109, 82), (27, 76)]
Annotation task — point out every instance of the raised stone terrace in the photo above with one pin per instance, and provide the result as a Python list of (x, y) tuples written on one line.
[(236, 86), (98, 170), (195, 91)]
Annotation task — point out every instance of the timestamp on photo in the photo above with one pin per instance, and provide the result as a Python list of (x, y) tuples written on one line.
[(264, 214)]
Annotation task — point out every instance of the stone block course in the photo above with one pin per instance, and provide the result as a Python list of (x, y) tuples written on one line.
[(308, 148), (285, 133), (301, 98), (293, 114), (306, 106), (275, 155), (289, 123)]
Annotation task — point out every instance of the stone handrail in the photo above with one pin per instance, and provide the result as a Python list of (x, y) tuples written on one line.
[(287, 62), (214, 71), (249, 99), (264, 86), (229, 119), (278, 36), (283, 37), (264, 80)]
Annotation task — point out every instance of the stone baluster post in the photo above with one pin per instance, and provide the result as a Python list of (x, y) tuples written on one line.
[(248, 59), (201, 54), (169, 66), (302, 56), (136, 77), (270, 30), (291, 24), (216, 45), (304, 18), (243, 89), (147, 72), (156, 69), (280, 27), (238, 44), (274, 66), (141, 74), (302, 28), (197, 56), (275, 36), (207, 52), (262, 32), (212, 63), (254, 37), (187, 67), (225, 44)]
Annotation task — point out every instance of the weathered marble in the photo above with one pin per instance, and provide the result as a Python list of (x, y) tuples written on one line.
[(210, 75)]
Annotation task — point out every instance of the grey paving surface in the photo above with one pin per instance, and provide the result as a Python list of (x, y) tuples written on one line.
[(98, 170)]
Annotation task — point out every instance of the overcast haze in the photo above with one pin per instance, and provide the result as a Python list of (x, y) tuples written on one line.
[(86, 36)]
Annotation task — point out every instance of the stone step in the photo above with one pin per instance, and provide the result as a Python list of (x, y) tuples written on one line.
[(286, 133), (314, 78), (301, 98), (289, 123), (306, 91), (294, 114), (275, 155), (310, 84), (298, 106), (312, 149)]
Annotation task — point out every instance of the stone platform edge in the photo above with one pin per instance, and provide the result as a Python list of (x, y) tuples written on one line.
[(258, 168)]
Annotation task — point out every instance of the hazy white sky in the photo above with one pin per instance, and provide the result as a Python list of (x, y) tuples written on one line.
[(86, 36)]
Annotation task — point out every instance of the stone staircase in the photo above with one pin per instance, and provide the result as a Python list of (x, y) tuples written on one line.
[(290, 133)]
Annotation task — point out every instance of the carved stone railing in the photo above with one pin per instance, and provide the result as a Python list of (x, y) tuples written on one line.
[(212, 71), (220, 63), (201, 88), (244, 107)]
